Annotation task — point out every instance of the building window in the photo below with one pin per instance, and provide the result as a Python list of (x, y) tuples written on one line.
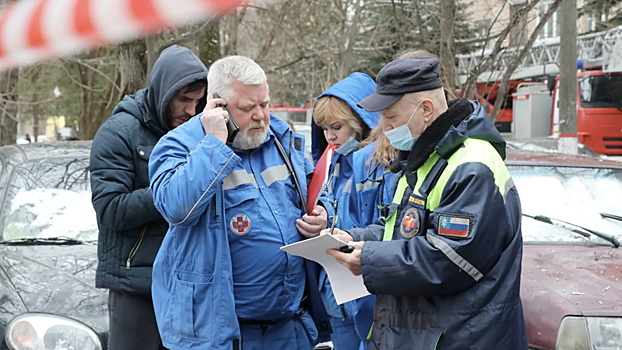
[(550, 28)]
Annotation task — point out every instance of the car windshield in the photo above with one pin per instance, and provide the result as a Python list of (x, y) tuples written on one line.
[(573, 194), (47, 198)]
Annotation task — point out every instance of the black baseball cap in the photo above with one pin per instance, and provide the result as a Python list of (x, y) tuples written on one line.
[(400, 77)]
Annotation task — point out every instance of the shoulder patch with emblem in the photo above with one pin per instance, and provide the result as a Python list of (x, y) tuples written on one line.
[(454, 226), (409, 226)]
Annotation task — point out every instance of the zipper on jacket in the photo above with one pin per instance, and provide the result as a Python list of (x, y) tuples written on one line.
[(135, 247)]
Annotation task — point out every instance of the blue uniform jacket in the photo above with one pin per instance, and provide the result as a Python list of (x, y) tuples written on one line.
[(192, 276), (372, 188), (352, 89)]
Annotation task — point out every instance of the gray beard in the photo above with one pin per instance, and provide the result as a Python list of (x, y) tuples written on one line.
[(244, 142)]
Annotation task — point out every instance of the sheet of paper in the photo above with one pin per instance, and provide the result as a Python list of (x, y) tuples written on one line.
[(345, 285)]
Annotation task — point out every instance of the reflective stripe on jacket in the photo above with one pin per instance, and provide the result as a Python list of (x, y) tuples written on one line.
[(372, 187), (351, 90), (192, 279), (449, 278)]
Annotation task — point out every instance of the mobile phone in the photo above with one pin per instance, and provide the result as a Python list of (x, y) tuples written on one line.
[(346, 249), (232, 127)]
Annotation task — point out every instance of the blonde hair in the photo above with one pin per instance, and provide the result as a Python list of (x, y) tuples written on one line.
[(384, 152), (329, 109)]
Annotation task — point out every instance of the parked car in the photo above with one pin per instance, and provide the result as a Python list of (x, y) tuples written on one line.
[(48, 250), (571, 285)]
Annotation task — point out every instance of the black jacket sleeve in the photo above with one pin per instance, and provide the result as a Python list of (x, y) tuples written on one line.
[(119, 175)]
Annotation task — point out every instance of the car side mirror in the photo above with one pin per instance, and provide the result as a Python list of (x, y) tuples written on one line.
[(550, 83)]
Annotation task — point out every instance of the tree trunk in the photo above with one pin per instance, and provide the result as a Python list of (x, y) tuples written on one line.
[(8, 101), (503, 86), (8, 106), (446, 53), (489, 61), (133, 66), (154, 45), (96, 106), (209, 46)]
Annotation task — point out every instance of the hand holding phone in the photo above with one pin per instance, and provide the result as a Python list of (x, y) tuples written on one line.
[(232, 127), (346, 249)]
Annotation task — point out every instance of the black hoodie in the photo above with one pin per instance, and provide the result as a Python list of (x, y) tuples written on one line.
[(130, 228)]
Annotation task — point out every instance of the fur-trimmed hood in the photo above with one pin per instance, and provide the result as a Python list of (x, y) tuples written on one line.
[(464, 119)]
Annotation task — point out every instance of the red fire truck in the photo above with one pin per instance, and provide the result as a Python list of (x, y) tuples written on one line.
[(533, 90), (599, 111), (599, 108), (487, 95)]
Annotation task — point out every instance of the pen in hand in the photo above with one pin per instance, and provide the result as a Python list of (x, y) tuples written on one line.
[(332, 227)]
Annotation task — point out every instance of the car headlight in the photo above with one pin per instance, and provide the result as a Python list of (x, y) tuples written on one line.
[(605, 332), (592, 333), (50, 332)]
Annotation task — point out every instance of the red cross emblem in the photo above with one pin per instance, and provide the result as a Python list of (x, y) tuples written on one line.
[(240, 224), (410, 223)]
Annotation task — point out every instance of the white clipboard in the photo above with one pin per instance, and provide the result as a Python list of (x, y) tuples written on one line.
[(345, 285)]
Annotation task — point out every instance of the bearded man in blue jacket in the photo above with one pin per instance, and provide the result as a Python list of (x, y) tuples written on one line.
[(220, 280), (130, 227)]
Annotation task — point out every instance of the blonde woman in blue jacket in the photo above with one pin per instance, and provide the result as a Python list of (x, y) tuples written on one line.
[(345, 125)]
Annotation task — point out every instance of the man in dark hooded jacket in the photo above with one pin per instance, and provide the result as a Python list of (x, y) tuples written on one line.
[(130, 228)]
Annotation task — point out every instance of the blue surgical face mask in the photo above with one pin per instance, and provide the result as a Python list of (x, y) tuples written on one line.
[(400, 137), (349, 146)]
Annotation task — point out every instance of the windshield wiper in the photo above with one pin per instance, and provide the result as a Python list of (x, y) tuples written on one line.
[(575, 228), (611, 216), (42, 241)]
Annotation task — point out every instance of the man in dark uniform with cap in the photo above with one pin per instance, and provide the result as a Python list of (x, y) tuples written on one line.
[(445, 263)]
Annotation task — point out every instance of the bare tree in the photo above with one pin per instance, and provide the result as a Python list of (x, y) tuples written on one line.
[(521, 54), (304, 45), (97, 78), (31, 96), (489, 58), (132, 66), (8, 106), (8, 101), (447, 54)]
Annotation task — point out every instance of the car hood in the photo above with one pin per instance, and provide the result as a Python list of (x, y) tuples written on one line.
[(560, 280), (52, 279)]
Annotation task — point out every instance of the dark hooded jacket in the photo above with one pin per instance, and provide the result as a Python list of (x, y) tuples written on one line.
[(130, 228), (447, 272)]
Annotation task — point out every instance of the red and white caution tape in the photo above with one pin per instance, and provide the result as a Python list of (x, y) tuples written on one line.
[(33, 30)]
